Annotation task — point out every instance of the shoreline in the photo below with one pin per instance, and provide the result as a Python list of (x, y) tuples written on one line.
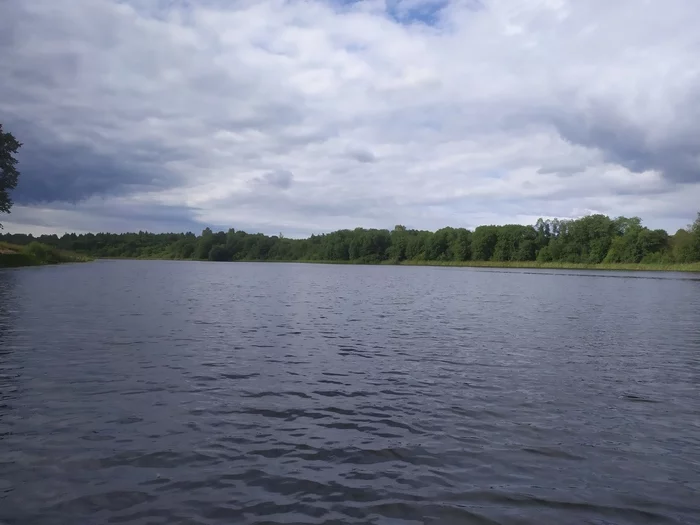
[(514, 265), (534, 265)]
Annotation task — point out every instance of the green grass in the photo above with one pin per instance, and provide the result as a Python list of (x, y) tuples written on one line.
[(35, 254), (663, 267)]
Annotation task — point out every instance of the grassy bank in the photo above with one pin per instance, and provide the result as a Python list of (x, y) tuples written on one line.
[(35, 254), (662, 267), (680, 267), (670, 267)]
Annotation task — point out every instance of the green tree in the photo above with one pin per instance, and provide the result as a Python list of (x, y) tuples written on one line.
[(204, 244), (543, 233), (515, 243), (8, 171), (484, 241), (690, 246), (695, 227), (461, 245), (399, 240), (415, 246), (438, 248)]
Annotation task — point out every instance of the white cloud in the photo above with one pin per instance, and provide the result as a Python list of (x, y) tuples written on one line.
[(310, 116)]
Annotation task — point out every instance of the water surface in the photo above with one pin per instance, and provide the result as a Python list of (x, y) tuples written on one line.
[(139, 392)]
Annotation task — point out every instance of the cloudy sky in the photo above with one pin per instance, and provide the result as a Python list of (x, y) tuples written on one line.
[(308, 116)]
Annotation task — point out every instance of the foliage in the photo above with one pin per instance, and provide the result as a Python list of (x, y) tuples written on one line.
[(35, 254), (8, 171), (591, 240)]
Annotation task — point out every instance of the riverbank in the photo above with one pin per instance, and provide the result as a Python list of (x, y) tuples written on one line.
[(661, 267), (627, 267), (35, 254)]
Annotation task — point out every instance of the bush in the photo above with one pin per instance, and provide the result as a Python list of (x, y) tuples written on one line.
[(42, 253)]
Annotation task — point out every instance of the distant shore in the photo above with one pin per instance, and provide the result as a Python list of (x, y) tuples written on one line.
[(595, 242), (675, 267)]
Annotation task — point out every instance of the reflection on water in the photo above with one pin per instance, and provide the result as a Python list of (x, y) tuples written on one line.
[(9, 372), (8, 316), (156, 392)]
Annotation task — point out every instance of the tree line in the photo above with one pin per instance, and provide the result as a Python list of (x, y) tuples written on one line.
[(593, 239)]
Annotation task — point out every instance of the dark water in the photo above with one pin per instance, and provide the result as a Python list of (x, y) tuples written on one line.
[(195, 393)]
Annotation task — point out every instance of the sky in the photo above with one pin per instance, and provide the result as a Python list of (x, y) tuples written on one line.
[(300, 117)]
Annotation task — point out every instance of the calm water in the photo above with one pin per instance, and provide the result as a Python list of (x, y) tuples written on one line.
[(202, 393)]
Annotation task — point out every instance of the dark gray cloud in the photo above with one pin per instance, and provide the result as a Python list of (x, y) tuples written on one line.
[(638, 145), (52, 171), (108, 215)]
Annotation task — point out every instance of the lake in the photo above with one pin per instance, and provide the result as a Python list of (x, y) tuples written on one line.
[(148, 392)]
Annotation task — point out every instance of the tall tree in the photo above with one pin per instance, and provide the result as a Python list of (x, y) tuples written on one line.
[(694, 229), (8, 172)]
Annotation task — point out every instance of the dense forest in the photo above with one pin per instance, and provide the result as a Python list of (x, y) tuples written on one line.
[(590, 240)]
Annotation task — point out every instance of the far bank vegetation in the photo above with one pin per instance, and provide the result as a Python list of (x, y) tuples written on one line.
[(591, 241)]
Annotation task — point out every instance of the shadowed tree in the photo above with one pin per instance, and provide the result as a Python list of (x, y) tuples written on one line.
[(8, 172)]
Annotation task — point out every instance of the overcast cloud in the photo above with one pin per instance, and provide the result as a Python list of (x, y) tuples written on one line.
[(301, 117)]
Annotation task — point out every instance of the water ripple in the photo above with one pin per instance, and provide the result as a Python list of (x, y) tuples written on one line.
[(185, 393)]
